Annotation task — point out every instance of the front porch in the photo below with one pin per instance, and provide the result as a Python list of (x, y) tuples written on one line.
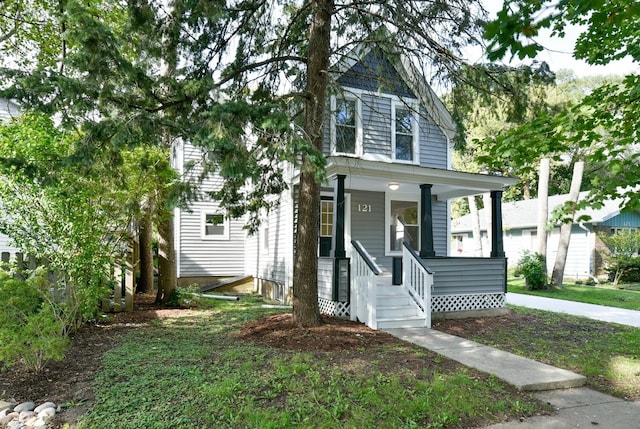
[(430, 287), (400, 286)]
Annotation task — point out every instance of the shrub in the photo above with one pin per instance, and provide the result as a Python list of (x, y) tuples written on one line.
[(624, 269), (32, 328), (623, 264), (532, 267)]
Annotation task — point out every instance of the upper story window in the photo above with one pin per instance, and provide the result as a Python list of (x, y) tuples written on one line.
[(347, 128), (404, 134)]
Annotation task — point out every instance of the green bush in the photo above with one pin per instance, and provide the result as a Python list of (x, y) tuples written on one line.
[(624, 269), (532, 267), (623, 263), (32, 328)]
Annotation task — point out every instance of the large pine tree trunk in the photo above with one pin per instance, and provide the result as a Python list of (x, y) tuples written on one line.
[(305, 271), (543, 209), (167, 272), (565, 229), (145, 237)]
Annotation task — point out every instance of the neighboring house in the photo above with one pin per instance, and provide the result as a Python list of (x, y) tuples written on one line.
[(388, 143), (584, 257), (8, 110)]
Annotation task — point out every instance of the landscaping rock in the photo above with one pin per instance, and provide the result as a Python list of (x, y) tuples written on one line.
[(45, 406), (25, 416), (25, 406)]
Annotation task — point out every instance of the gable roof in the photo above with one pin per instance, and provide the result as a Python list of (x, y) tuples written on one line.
[(524, 213), (413, 84)]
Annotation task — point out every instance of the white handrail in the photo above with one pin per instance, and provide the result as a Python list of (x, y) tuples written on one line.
[(363, 286), (418, 279)]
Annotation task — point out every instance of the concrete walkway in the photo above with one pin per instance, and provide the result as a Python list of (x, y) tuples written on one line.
[(523, 373), (576, 406), (580, 408), (598, 312)]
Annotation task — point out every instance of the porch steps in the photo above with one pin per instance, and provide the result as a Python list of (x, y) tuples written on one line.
[(395, 308)]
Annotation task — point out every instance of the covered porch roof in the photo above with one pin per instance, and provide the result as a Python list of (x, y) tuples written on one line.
[(370, 175)]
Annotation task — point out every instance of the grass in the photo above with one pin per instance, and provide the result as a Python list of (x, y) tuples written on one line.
[(193, 373), (609, 295), (607, 354)]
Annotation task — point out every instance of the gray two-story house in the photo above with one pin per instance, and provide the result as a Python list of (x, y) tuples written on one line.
[(384, 221)]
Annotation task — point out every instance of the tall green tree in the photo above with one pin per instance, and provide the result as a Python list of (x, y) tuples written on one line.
[(603, 125), (146, 73), (243, 69)]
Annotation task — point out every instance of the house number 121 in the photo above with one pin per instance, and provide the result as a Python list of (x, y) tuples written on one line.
[(366, 208)]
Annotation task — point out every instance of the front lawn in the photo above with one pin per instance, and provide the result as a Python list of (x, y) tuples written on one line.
[(607, 294), (196, 372)]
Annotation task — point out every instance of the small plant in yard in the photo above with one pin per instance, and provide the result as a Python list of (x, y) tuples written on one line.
[(532, 267), (32, 328)]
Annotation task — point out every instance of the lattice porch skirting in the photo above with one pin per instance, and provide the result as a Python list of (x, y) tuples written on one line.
[(444, 303), (334, 308)]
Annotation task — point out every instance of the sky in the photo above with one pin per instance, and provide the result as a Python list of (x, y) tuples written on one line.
[(560, 56)]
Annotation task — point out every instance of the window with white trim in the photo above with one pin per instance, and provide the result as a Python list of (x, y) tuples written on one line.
[(404, 138), (326, 225), (215, 226), (346, 125)]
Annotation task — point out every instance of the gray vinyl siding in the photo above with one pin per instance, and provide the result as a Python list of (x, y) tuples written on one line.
[(440, 219), (269, 255), (459, 276), (368, 227), (374, 73), (376, 125), (203, 257), (433, 143), (207, 257)]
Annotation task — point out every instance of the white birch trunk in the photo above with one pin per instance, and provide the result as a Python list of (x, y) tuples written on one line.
[(565, 229)]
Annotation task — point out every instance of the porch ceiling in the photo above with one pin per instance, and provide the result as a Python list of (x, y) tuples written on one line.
[(376, 176)]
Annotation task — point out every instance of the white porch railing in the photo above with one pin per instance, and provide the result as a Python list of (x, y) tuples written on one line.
[(364, 272), (418, 280)]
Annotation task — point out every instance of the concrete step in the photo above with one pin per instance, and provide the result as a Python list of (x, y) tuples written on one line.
[(406, 322)]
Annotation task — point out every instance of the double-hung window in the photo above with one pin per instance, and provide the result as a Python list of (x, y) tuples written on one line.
[(346, 125), (214, 226), (404, 133)]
